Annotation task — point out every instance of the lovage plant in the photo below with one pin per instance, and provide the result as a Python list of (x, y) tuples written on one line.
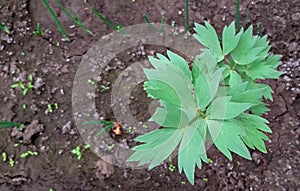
[(219, 100)]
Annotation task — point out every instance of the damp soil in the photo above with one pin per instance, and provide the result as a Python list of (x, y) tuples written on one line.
[(53, 64)]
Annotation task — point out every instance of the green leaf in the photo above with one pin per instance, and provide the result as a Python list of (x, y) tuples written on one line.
[(161, 90), (226, 136), (268, 90), (207, 36), (223, 108), (259, 109), (253, 96), (174, 87), (206, 80), (229, 39), (3, 27), (159, 144), (170, 116), (245, 52), (192, 149), (262, 71), (273, 60), (235, 79), (253, 125), (180, 63)]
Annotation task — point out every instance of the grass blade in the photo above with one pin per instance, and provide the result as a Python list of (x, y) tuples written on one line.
[(237, 16), (38, 31), (259, 28), (149, 23), (60, 28), (187, 26), (73, 17), (3, 27), (117, 28), (246, 20), (5, 124), (105, 128), (161, 27)]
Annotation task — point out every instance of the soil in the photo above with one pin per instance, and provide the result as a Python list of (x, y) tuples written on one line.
[(53, 66)]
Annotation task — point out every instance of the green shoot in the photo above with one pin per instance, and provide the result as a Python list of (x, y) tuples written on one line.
[(4, 28), (259, 28), (160, 30), (161, 26), (49, 106), (77, 151), (205, 179), (246, 19), (118, 27), (187, 26), (4, 157), (73, 17), (171, 168), (209, 160), (38, 31), (11, 162), (149, 23), (105, 87), (107, 125), (237, 16), (91, 82), (29, 153), (57, 22), (4, 124), (24, 88)]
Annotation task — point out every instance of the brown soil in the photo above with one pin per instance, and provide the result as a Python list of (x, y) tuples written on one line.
[(53, 68)]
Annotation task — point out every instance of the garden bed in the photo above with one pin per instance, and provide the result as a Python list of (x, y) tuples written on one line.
[(53, 64)]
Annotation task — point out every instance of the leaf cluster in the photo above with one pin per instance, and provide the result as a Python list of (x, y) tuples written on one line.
[(218, 100)]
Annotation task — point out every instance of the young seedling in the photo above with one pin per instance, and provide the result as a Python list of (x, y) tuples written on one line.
[(57, 22), (11, 162), (73, 17), (91, 82), (77, 151), (106, 125), (105, 87), (161, 27), (5, 124), (38, 31), (29, 153), (187, 25), (4, 157), (117, 27), (219, 100), (4, 28), (50, 107), (25, 88)]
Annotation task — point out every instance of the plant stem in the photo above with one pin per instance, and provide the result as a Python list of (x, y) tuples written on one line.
[(259, 28), (60, 28), (73, 17), (187, 27), (149, 23), (107, 22), (247, 18), (237, 16), (161, 27)]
